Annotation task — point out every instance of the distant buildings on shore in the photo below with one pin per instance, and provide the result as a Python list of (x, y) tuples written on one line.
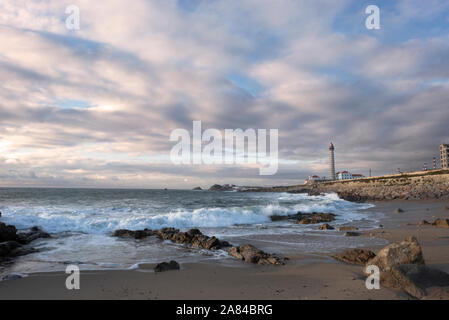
[(343, 175), (444, 156), (346, 175)]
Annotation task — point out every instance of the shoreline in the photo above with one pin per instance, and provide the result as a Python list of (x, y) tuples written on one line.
[(305, 276)]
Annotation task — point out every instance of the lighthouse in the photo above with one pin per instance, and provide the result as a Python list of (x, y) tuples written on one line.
[(331, 161)]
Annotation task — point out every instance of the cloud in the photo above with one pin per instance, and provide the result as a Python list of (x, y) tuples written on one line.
[(95, 107)]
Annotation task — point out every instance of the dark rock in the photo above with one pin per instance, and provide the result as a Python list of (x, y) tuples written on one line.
[(441, 223), (12, 276), (414, 279), (326, 227), (305, 218), (423, 223), (225, 187), (0, 213), (138, 234), (26, 236), (314, 192), (21, 251), (7, 247), (166, 266), (351, 234), (192, 237), (355, 256), (315, 218), (7, 232), (348, 228), (251, 254), (398, 210), (351, 196), (197, 188), (405, 252)]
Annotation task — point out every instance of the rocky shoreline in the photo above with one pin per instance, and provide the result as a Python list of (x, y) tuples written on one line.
[(195, 238), (15, 243), (425, 185)]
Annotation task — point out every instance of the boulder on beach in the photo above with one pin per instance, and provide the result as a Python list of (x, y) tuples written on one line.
[(29, 235), (348, 228), (192, 237), (398, 210), (441, 223), (326, 227), (166, 266), (355, 256), (351, 234), (7, 247), (251, 254), (138, 234), (405, 252), (423, 223), (306, 218), (414, 279), (7, 232)]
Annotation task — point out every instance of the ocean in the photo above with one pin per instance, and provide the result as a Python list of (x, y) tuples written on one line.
[(81, 222)]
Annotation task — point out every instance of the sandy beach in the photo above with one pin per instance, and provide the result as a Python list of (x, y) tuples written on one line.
[(311, 276)]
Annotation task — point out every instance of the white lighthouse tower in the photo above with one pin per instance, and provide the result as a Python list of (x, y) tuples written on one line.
[(331, 161)]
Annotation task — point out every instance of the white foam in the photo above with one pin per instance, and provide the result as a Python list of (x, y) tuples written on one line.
[(105, 220)]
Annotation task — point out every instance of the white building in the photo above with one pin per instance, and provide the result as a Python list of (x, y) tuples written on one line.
[(315, 178), (346, 175), (444, 156)]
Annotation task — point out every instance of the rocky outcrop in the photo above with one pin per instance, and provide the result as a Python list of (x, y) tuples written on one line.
[(401, 266), (423, 223), (7, 232), (441, 223), (306, 218), (408, 186), (348, 228), (195, 238), (138, 234), (192, 237), (352, 234), (414, 279), (166, 266), (12, 242), (355, 256), (29, 235), (326, 227), (251, 254), (197, 188), (225, 187), (7, 247), (405, 252)]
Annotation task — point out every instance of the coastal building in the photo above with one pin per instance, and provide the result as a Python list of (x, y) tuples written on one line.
[(315, 178), (444, 156), (331, 161), (346, 175)]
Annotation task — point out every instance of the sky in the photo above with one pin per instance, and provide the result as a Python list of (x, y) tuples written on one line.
[(95, 107)]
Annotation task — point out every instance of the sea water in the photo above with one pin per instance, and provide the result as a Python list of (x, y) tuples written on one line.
[(81, 222)]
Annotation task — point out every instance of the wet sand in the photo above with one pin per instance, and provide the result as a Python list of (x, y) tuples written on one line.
[(311, 276)]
